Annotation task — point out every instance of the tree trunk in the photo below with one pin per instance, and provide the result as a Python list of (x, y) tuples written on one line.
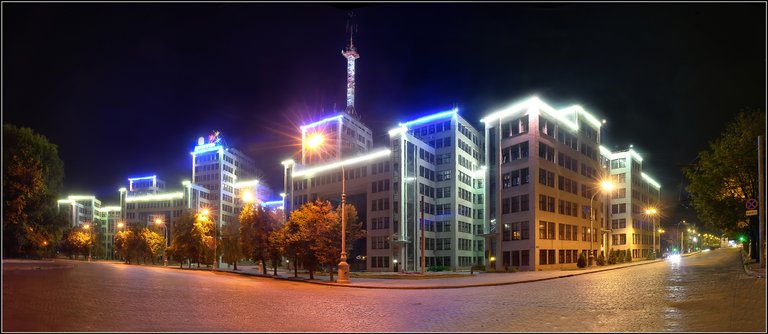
[(295, 267), (235, 264), (330, 271), (274, 266), (263, 264)]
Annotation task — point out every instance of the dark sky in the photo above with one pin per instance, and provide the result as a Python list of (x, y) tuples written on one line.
[(125, 89)]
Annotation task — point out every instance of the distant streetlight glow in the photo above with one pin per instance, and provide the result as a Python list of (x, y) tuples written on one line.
[(247, 197)]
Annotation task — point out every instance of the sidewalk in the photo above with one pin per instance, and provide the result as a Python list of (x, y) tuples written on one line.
[(444, 280), (23, 264)]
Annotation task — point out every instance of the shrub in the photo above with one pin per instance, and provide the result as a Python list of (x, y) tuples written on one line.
[(601, 260), (651, 256), (629, 257), (437, 268), (582, 262), (478, 267), (612, 257)]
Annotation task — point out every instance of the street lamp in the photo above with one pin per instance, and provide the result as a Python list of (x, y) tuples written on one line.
[(652, 213), (119, 227), (204, 217), (159, 222), (681, 235), (90, 240), (314, 142), (604, 186)]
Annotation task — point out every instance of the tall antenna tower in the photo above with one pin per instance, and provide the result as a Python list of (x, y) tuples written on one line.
[(351, 54)]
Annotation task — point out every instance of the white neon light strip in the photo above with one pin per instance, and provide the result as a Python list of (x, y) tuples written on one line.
[(403, 127), (535, 103), (650, 180), (325, 120), (66, 201), (109, 208), (355, 160), (80, 197), (287, 162), (611, 155), (278, 202), (246, 183), (157, 197)]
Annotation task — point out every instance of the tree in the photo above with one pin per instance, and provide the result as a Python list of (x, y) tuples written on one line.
[(184, 245), (725, 176), (327, 241), (203, 234), (230, 242), (153, 243), (582, 261), (255, 228), (247, 233), (32, 177)]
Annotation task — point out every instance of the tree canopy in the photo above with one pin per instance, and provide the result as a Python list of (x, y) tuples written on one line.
[(33, 175), (725, 176)]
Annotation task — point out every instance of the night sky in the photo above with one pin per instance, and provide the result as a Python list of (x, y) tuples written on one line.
[(126, 89)]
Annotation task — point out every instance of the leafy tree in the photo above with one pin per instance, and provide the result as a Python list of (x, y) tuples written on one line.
[(327, 232), (153, 242), (247, 233), (32, 177), (276, 222), (289, 240), (184, 245), (256, 225), (78, 241), (230, 244), (725, 176), (203, 235)]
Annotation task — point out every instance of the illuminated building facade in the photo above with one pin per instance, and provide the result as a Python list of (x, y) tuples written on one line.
[(441, 160), (81, 210), (217, 168), (439, 183), (341, 136), (143, 205), (543, 170), (635, 192)]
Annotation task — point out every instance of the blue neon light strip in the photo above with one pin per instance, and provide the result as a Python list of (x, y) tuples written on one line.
[(142, 178), (432, 117), (206, 148), (311, 125), (270, 203)]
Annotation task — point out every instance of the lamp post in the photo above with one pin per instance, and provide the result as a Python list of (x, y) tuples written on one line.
[(652, 212), (660, 231), (119, 227), (313, 142), (681, 235), (159, 222), (90, 240), (605, 186)]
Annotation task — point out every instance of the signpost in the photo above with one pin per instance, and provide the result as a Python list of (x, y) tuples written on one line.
[(751, 205)]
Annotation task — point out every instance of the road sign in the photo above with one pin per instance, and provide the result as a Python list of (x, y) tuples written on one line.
[(751, 204), (751, 213)]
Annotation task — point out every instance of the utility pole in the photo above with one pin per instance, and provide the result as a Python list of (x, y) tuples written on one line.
[(422, 234), (761, 196)]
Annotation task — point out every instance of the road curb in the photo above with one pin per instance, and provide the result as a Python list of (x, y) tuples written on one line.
[(432, 287)]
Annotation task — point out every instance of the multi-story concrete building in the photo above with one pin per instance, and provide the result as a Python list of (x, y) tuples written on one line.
[(88, 210), (218, 168), (437, 158), (438, 183), (634, 192), (543, 174), (80, 209), (146, 200)]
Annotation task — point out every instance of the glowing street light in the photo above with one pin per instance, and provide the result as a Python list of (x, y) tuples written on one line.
[(604, 186), (315, 140), (652, 213), (90, 241), (248, 197), (159, 222)]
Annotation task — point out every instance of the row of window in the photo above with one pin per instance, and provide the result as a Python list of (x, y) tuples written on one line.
[(515, 204), (516, 231), (515, 178), (381, 185), (380, 223)]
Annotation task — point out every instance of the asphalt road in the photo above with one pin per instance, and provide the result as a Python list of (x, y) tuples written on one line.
[(706, 292)]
